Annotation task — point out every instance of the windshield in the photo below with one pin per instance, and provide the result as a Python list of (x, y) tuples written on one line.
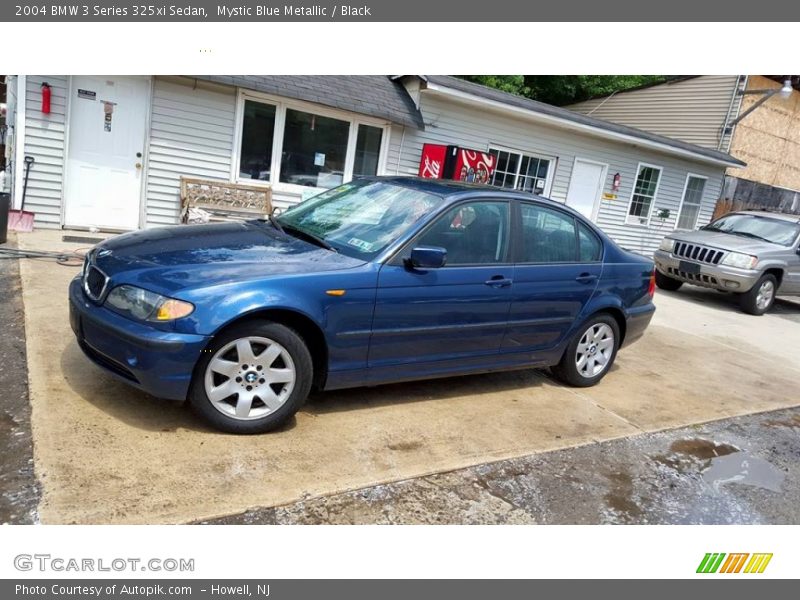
[(757, 227), (359, 219)]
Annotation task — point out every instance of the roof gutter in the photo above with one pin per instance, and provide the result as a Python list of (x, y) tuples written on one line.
[(567, 124)]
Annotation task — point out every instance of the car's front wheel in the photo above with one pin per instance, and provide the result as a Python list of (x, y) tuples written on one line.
[(253, 378), (590, 353), (760, 298), (667, 283)]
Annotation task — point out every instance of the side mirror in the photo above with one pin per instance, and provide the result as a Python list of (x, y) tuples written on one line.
[(427, 257)]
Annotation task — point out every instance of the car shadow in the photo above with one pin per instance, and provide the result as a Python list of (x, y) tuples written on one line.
[(145, 412), (423, 391), (783, 307), (121, 401)]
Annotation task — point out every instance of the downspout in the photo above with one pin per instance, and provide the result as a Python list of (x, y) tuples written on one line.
[(19, 141)]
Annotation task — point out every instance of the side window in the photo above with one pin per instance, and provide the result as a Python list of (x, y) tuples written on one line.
[(547, 235), (472, 233), (589, 246)]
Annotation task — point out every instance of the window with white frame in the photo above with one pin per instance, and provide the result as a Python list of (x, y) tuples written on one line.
[(258, 130), (294, 144), (521, 171), (644, 194), (692, 199)]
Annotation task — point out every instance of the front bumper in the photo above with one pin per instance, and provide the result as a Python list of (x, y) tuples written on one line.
[(718, 277), (156, 361)]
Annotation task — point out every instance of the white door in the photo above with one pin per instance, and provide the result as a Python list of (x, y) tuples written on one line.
[(585, 187), (107, 121)]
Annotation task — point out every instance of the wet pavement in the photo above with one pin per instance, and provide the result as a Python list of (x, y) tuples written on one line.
[(742, 470), (19, 492)]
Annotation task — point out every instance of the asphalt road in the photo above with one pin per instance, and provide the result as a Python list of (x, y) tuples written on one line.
[(19, 492), (744, 470)]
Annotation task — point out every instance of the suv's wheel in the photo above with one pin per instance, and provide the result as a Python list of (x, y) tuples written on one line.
[(667, 283), (590, 353), (253, 378), (761, 296)]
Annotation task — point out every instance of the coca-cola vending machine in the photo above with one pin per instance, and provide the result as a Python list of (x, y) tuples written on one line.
[(439, 161)]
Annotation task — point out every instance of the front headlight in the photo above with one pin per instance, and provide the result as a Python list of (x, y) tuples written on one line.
[(739, 260), (143, 305), (666, 245)]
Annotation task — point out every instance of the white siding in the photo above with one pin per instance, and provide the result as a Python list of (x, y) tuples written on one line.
[(11, 121), (693, 110), (447, 122), (44, 141), (191, 133)]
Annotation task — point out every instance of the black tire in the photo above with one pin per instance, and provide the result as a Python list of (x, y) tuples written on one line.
[(567, 369), (300, 357), (749, 301), (667, 283)]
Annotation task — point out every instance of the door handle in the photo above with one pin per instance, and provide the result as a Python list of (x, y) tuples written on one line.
[(586, 278), (499, 281)]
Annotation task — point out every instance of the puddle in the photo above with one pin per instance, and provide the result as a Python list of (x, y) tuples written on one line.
[(791, 422), (744, 469), (702, 449), (620, 497)]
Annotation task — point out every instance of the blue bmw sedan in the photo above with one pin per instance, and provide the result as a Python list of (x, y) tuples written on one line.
[(376, 281)]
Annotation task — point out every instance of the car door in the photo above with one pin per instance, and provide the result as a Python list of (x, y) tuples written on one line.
[(558, 266), (791, 279), (436, 320)]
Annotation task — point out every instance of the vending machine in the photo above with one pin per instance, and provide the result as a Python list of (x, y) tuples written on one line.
[(440, 161)]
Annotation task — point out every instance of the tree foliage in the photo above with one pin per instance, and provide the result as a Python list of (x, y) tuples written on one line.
[(563, 89)]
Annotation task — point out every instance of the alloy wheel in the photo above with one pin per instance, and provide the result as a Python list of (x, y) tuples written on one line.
[(250, 378), (765, 295), (595, 350)]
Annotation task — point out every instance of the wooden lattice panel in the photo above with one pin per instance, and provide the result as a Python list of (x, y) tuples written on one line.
[(225, 200)]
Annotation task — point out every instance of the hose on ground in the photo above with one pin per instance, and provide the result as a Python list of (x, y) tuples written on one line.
[(71, 258)]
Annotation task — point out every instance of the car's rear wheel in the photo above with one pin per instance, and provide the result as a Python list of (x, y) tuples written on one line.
[(667, 283), (253, 378), (590, 353), (760, 298)]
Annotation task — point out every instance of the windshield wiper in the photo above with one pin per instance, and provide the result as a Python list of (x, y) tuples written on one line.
[(291, 229), (752, 235), (275, 223)]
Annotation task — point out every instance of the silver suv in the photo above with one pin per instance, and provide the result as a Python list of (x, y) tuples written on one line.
[(753, 254)]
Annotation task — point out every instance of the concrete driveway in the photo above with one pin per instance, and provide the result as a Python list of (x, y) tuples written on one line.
[(106, 453)]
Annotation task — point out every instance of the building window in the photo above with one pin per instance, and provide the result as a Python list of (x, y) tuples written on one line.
[(521, 171), (314, 150), (368, 150), (282, 144), (644, 193), (258, 129), (692, 198)]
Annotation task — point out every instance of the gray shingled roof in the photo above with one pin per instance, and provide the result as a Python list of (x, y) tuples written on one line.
[(568, 115), (373, 95)]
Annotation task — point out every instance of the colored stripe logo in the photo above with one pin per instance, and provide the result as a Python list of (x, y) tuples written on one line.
[(719, 562)]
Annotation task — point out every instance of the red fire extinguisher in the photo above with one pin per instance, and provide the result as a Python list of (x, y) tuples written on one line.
[(46, 98)]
